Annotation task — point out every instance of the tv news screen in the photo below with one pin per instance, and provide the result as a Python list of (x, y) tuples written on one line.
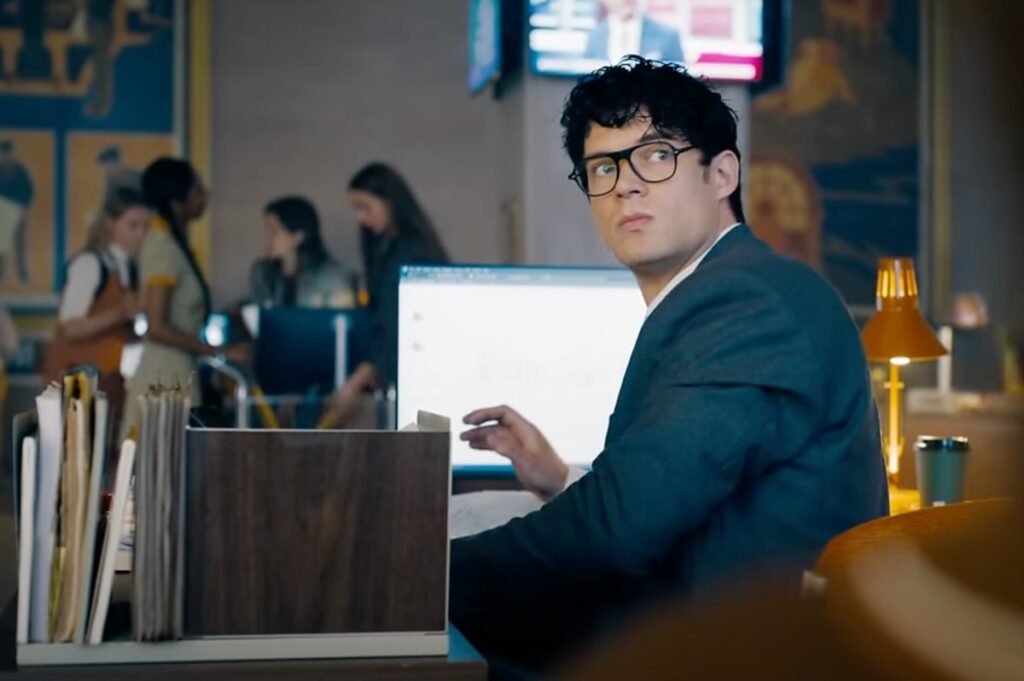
[(718, 39)]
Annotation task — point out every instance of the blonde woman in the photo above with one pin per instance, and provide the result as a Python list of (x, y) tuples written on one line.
[(99, 301)]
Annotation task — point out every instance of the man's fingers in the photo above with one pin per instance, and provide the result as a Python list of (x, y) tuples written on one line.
[(481, 432), (475, 418), (492, 438), (503, 414)]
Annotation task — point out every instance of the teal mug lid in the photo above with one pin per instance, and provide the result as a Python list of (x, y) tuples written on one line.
[(936, 443)]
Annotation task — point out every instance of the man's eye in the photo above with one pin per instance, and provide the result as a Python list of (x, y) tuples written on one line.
[(602, 169)]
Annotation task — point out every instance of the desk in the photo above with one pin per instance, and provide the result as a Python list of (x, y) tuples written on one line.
[(462, 664)]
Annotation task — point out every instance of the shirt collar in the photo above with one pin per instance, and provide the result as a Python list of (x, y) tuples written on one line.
[(121, 261), (686, 271)]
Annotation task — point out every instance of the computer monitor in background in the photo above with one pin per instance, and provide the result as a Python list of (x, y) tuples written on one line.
[(297, 348), (551, 342)]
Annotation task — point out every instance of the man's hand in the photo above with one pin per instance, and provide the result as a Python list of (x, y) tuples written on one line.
[(239, 353), (537, 465)]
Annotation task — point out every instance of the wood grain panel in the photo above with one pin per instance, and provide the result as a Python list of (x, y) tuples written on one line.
[(301, 532)]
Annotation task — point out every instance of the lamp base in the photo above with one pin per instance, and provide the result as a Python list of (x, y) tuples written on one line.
[(903, 500)]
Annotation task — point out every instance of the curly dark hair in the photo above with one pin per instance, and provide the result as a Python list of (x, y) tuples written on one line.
[(678, 103)]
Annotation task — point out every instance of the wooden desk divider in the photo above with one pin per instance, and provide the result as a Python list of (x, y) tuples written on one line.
[(305, 544)]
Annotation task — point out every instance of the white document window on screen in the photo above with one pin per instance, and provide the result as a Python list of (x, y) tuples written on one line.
[(552, 343)]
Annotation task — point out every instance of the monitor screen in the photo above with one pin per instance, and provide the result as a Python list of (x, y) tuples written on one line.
[(718, 39), (551, 342), (297, 349)]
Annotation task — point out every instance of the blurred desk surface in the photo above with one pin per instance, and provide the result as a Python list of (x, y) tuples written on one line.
[(463, 664)]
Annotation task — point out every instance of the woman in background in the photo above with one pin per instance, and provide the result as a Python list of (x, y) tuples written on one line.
[(98, 302), (176, 298), (298, 270), (394, 231)]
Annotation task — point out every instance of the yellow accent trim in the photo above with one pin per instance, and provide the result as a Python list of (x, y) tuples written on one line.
[(161, 280), (200, 119), (158, 223)]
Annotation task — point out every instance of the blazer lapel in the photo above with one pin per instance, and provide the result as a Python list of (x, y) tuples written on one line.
[(637, 378)]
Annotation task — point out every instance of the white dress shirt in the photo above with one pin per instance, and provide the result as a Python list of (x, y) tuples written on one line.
[(623, 36), (84, 276)]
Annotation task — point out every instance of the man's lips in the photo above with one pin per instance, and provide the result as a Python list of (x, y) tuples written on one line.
[(634, 221)]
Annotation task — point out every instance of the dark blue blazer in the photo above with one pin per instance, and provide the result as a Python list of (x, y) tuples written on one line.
[(657, 41), (744, 437)]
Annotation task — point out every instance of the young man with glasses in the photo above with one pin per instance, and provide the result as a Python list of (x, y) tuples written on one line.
[(744, 436)]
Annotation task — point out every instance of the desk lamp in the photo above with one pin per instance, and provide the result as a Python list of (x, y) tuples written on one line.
[(897, 334)]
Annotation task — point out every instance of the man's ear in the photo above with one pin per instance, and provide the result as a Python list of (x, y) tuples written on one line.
[(725, 173)]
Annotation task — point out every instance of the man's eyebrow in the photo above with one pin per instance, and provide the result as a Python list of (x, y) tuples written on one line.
[(652, 135)]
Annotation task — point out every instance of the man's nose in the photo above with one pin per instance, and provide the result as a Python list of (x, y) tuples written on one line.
[(629, 183)]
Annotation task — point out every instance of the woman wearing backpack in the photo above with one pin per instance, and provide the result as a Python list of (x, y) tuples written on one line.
[(98, 301)]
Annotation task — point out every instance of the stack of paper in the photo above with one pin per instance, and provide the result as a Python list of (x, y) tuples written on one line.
[(111, 543), (58, 496), (158, 578)]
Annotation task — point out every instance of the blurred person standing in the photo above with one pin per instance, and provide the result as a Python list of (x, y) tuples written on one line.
[(175, 295), (99, 301), (394, 231), (297, 269)]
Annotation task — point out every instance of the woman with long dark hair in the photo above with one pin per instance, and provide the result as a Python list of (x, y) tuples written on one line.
[(297, 269), (176, 297), (394, 231)]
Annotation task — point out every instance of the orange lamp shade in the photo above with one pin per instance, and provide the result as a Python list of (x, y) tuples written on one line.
[(898, 329)]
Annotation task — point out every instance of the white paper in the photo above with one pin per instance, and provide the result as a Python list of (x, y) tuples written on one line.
[(28, 500), (48, 463), (92, 513), (479, 511), (105, 576)]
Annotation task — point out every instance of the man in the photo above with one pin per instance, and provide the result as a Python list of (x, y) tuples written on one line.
[(626, 29), (744, 436)]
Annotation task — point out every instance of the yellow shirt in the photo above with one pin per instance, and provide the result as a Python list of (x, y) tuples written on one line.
[(162, 263)]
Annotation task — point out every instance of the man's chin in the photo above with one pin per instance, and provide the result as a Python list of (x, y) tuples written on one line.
[(635, 259)]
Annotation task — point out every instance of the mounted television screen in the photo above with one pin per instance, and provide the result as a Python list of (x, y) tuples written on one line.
[(485, 48), (718, 39)]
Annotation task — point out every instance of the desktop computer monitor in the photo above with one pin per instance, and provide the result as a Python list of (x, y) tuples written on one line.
[(551, 342), (297, 349)]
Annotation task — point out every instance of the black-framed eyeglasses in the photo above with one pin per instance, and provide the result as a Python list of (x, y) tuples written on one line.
[(651, 161)]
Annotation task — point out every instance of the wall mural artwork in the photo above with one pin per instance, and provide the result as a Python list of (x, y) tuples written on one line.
[(86, 101), (833, 174)]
